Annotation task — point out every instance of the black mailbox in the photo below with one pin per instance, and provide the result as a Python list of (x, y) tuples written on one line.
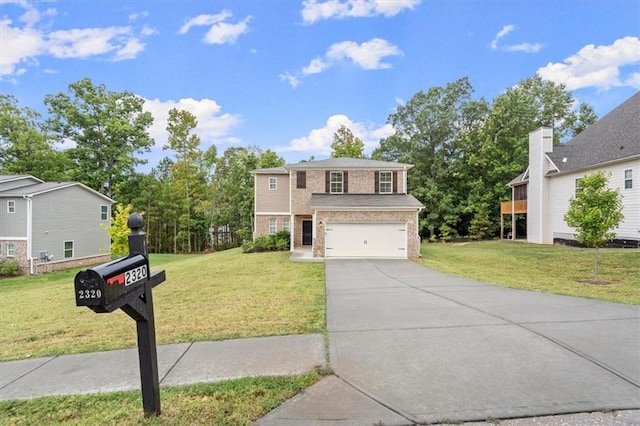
[(107, 287)]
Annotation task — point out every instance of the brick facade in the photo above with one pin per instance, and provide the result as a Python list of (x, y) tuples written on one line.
[(408, 217), (262, 223)]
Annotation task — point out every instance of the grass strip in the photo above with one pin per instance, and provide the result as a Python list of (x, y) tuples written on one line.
[(234, 402), (551, 269)]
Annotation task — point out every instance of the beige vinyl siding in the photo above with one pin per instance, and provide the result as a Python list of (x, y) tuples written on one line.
[(272, 200)]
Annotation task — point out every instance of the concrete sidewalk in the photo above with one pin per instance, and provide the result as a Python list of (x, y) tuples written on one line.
[(179, 364)]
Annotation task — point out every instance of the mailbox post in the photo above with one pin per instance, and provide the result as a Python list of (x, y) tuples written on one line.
[(126, 284)]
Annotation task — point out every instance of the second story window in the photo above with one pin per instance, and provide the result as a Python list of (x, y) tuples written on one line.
[(273, 183), (336, 183), (301, 179), (628, 179), (386, 183), (104, 212), (11, 206)]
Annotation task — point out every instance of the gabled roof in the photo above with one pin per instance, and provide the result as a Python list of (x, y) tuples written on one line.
[(10, 178), (270, 171), (44, 187), (369, 201), (614, 137), (344, 163)]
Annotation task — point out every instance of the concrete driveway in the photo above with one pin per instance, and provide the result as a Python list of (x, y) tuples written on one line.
[(411, 345)]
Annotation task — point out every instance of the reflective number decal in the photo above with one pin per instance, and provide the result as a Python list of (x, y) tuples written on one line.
[(135, 275)]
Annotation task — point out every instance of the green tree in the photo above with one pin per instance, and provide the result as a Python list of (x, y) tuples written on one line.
[(24, 145), (119, 231), (345, 144), (188, 176), (427, 134), (594, 213), (109, 130)]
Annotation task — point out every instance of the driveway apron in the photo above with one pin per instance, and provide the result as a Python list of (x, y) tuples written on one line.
[(435, 348)]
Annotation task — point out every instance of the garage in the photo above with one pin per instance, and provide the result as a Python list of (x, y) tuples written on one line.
[(382, 240)]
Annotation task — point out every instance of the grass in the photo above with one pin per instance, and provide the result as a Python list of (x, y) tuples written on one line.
[(206, 297), (551, 269), (235, 402)]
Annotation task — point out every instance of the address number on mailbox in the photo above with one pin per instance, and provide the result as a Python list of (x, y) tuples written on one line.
[(129, 277)]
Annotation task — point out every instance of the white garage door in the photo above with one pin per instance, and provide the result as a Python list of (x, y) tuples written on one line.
[(366, 240)]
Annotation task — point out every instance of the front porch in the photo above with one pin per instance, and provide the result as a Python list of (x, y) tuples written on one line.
[(304, 254)]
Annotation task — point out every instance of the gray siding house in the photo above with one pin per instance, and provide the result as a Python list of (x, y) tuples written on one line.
[(47, 226)]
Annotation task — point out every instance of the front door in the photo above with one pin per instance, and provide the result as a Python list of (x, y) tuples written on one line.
[(307, 236)]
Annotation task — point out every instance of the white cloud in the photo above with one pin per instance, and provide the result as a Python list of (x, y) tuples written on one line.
[(22, 45), (367, 55), (314, 10), (503, 32), (17, 46), (214, 127), (292, 80), (220, 32), (597, 66), (319, 141), (524, 47), (315, 66), (520, 47)]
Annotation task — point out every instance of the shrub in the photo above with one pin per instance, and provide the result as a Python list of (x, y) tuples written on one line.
[(9, 267), (280, 241)]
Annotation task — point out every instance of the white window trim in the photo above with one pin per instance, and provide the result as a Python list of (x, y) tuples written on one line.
[(64, 249), (11, 205), (106, 212), (628, 179), (286, 225), (11, 247), (275, 183), (390, 182), (331, 182), (275, 226)]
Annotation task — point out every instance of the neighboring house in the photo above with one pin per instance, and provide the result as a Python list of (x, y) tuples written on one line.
[(340, 207), (47, 226), (543, 191)]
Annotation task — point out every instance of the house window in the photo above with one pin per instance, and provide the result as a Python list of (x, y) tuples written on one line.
[(386, 183), (628, 179), (578, 188), (104, 212), (11, 250), (68, 249), (11, 206), (286, 225), (336, 183), (301, 179), (273, 183), (273, 226)]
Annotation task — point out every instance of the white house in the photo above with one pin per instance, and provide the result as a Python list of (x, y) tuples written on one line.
[(543, 191)]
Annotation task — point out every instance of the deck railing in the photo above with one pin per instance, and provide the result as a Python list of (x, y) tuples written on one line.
[(517, 207)]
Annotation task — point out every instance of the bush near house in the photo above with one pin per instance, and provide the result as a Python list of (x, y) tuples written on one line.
[(9, 267), (280, 241)]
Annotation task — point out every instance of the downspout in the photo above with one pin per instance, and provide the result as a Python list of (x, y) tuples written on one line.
[(29, 231)]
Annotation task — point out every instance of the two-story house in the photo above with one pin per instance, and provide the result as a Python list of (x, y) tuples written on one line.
[(543, 191), (47, 226), (340, 207)]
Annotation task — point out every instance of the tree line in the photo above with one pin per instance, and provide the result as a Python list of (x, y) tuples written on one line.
[(464, 152)]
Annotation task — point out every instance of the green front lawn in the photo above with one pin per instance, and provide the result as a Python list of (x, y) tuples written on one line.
[(552, 269), (206, 297)]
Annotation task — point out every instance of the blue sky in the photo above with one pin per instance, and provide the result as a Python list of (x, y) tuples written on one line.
[(284, 75)]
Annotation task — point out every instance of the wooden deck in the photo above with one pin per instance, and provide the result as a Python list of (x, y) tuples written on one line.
[(517, 207)]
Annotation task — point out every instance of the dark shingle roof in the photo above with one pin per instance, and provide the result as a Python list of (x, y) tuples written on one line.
[(344, 163), (615, 136), (372, 201)]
